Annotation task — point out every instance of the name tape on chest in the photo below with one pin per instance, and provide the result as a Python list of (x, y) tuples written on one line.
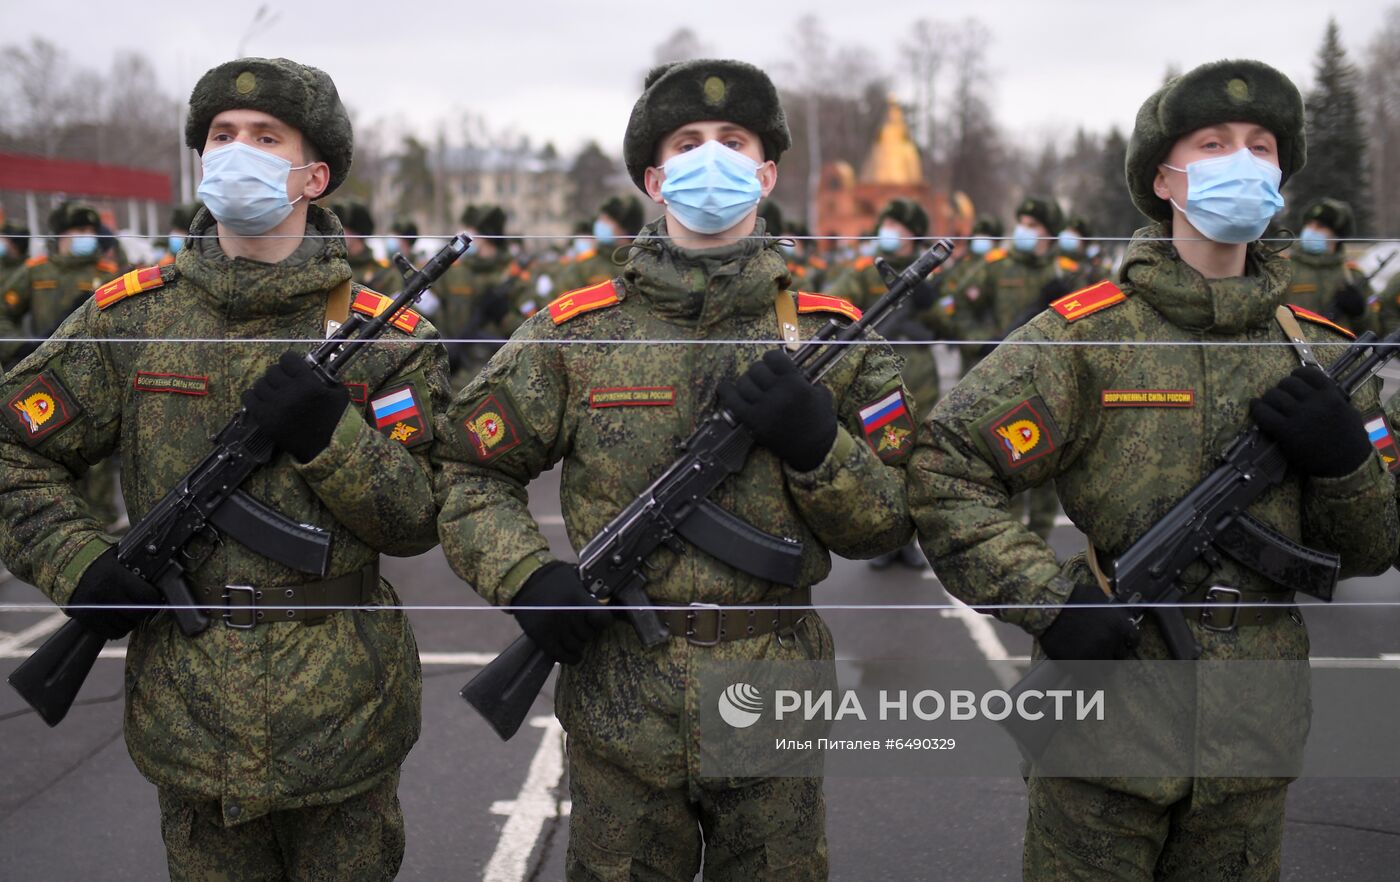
[(1148, 398), (178, 384), (632, 396)]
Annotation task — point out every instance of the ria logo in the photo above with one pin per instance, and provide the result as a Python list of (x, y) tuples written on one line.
[(740, 705)]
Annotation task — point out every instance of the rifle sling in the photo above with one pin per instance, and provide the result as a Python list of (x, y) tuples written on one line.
[(337, 307), (1289, 322)]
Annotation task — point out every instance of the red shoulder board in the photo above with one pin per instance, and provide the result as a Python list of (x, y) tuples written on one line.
[(122, 287), (372, 303), (1069, 265), (1310, 316), (995, 254), (1087, 301), (863, 263), (37, 261), (107, 266), (575, 303), (826, 303)]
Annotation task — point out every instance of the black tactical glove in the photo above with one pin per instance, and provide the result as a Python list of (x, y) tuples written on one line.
[(107, 583), (296, 406), (1089, 634), (1349, 300), (1307, 415), (925, 294), (790, 416), (561, 633), (494, 305)]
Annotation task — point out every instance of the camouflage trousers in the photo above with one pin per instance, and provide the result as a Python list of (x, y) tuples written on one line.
[(1080, 831), (358, 840), (621, 829)]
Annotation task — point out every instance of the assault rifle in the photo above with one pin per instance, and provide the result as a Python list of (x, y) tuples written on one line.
[(613, 564), (205, 503), (1210, 521)]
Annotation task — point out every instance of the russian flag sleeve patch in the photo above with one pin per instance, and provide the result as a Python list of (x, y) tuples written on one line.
[(888, 426)]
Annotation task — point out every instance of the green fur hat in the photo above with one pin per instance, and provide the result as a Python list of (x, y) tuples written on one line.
[(487, 220), (1045, 210), (14, 229), (300, 96), (907, 212), (71, 215), (990, 226), (1080, 224), (628, 213), (694, 91), (354, 217), (404, 228), (1334, 214), (1219, 92)]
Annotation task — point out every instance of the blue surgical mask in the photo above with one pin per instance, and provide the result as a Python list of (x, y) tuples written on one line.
[(580, 245), (391, 246), (83, 246), (889, 240), (246, 188), (176, 243), (980, 245), (603, 232), (1231, 199), (711, 188), (1314, 241), (1023, 238), (1070, 242)]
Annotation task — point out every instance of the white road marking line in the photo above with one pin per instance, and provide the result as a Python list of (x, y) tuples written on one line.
[(980, 629), (38, 630), (1390, 656), (532, 807)]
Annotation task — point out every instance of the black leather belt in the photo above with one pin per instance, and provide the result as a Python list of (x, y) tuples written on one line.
[(246, 606), (709, 624)]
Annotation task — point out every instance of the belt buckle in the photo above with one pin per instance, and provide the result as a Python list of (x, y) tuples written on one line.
[(1215, 594), (692, 611), (248, 596)]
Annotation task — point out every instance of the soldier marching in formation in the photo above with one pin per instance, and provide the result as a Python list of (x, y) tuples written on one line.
[(275, 738)]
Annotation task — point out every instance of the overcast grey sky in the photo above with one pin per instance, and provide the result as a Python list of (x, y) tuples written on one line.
[(569, 72)]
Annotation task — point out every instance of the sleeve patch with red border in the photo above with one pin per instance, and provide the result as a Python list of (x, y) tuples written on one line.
[(888, 426), (575, 303), (1383, 439), (122, 287), (827, 303), (399, 415), (492, 429), (1087, 301), (1310, 316), (1021, 435), (40, 408), (372, 303)]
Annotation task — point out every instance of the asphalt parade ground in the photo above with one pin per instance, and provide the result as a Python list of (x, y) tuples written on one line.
[(73, 807)]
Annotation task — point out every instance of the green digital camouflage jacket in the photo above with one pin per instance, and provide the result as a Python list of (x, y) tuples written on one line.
[(1315, 280), (285, 714), (1009, 283), (44, 290), (613, 405), (1126, 399)]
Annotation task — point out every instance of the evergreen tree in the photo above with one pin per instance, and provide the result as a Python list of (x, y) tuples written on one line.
[(1337, 141)]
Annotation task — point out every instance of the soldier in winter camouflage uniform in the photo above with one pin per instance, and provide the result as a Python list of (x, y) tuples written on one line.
[(1324, 281), (275, 737), (613, 230), (1031, 413), (481, 294), (614, 413), (14, 247), (368, 270)]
